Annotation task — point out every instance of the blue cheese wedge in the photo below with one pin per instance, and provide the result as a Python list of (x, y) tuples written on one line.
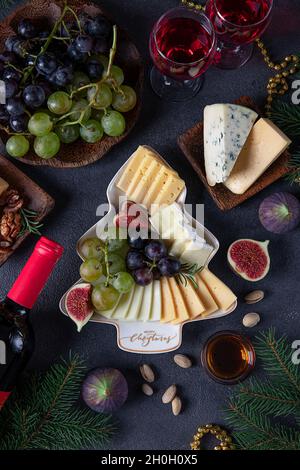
[(226, 128)]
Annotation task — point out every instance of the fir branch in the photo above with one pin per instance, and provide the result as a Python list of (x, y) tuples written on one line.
[(29, 222), (43, 415), (287, 118), (294, 165)]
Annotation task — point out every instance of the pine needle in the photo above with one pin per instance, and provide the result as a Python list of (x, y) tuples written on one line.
[(287, 118)]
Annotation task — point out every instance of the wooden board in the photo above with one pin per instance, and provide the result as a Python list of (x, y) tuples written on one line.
[(128, 58), (192, 145), (35, 198)]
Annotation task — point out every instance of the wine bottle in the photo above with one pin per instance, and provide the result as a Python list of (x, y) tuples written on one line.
[(16, 333)]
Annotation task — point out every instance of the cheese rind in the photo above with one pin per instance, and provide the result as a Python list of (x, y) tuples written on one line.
[(226, 128), (3, 186), (223, 296), (264, 145)]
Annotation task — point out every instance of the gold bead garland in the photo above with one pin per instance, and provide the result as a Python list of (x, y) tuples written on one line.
[(277, 85), (219, 433)]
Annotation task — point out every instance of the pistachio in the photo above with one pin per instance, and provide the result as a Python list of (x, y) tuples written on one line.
[(251, 319), (254, 297), (147, 373), (147, 390), (169, 394), (182, 361), (176, 406)]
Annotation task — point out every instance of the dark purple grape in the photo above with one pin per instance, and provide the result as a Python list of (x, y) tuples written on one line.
[(4, 116), (11, 88), (137, 243), (143, 276), (44, 33), (155, 250), (27, 29), (94, 69), (11, 74), (46, 64), (15, 107), (84, 43), (19, 123), (34, 96), (75, 55), (8, 57), (10, 42), (19, 47), (135, 260), (63, 30), (46, 87), (84, 20), (29, 61), (101, 46), (99, 26), (169, 266), (62, 76)]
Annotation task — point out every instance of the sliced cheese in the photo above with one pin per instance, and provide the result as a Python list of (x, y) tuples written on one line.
[(123, 306), (109, 313), (182, 313), (3, 186), (158, 183), (168, 305), (135, 306), (210, 305), (156, 307), (192, 300), (169, 192), (264, 145), (226, 128), (145, 180), (146, 306), (223, 296)]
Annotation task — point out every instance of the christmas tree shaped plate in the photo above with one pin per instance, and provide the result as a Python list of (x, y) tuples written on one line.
[(138, 331)]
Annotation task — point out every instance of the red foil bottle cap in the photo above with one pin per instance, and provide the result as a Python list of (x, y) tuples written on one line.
[(35, 273)]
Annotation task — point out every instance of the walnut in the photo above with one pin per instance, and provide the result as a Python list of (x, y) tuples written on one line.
[(13, 201), (10, 226)]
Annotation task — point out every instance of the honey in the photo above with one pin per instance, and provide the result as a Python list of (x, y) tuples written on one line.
[(228, 357)]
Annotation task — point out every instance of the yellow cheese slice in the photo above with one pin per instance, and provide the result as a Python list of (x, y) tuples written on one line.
[(144, 182), (264, 145), (210, 306), (158, 183), (192, 300), (168, 306), (170, 191), (182, 313), (3, 186), (223, 296)]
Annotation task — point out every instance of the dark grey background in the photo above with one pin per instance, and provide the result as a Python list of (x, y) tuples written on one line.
[(144, 422)]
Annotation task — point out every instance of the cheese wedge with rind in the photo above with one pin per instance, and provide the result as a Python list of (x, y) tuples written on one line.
[(182, 313), (223, 296), (226, 128), (264, 145)]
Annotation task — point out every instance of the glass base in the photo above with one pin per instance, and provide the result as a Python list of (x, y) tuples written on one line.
[(174, 90), (231, 58)]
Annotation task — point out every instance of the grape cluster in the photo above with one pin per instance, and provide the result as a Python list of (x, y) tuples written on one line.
[(104, 267), (61, 85)]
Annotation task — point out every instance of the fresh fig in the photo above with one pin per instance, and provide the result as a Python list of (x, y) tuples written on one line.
[(105, 390), (249, 259), (79, 305), (280, 212)]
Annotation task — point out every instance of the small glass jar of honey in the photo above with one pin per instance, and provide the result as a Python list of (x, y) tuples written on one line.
[(228, 357)]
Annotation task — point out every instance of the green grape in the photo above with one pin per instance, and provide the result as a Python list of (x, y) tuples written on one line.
[(40, 124), (113, 123), (116, 244), (47, 146), (67, 134), (76, 110), (123, 282), (97, 114), (104, 297), (80, 79), (91, 270), (100, 97), (116, 263), (59, 102), (92, 248), (91, 131), (17, 146), (116, 73), (125, 102)]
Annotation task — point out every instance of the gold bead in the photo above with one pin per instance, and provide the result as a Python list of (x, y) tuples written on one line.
[(184, 1), (213, 431), (281, 92), (273, 85), (271, 64), (269, 99), (264, 51), (218, 448), (228, 440), (285, 74), (283, 64), (200, 429), (278, 75), (225, 448), (295, 58), (208, 426), (277, 67), (292, 70), (288, 58)]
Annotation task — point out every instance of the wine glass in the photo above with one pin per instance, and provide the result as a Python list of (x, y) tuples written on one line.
[(237, 25), (182, 46)]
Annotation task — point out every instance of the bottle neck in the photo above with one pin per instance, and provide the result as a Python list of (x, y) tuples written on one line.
[(35, 274), (15, 308)]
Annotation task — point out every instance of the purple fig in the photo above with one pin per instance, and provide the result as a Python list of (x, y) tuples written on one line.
[(78, 304), (280, 212), (249, 259), (105, 390)]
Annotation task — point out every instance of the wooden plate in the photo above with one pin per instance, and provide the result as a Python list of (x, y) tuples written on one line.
[(192, 145), (127, 57), (36, 199)]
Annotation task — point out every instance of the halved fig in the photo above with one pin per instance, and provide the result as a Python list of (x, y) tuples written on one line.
[(249, 259), (79, 305)]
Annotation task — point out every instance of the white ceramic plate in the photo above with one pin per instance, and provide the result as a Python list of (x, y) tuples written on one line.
[(137, 336)]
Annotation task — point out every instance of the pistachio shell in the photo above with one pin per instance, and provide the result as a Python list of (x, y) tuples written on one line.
[(254, 296)]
